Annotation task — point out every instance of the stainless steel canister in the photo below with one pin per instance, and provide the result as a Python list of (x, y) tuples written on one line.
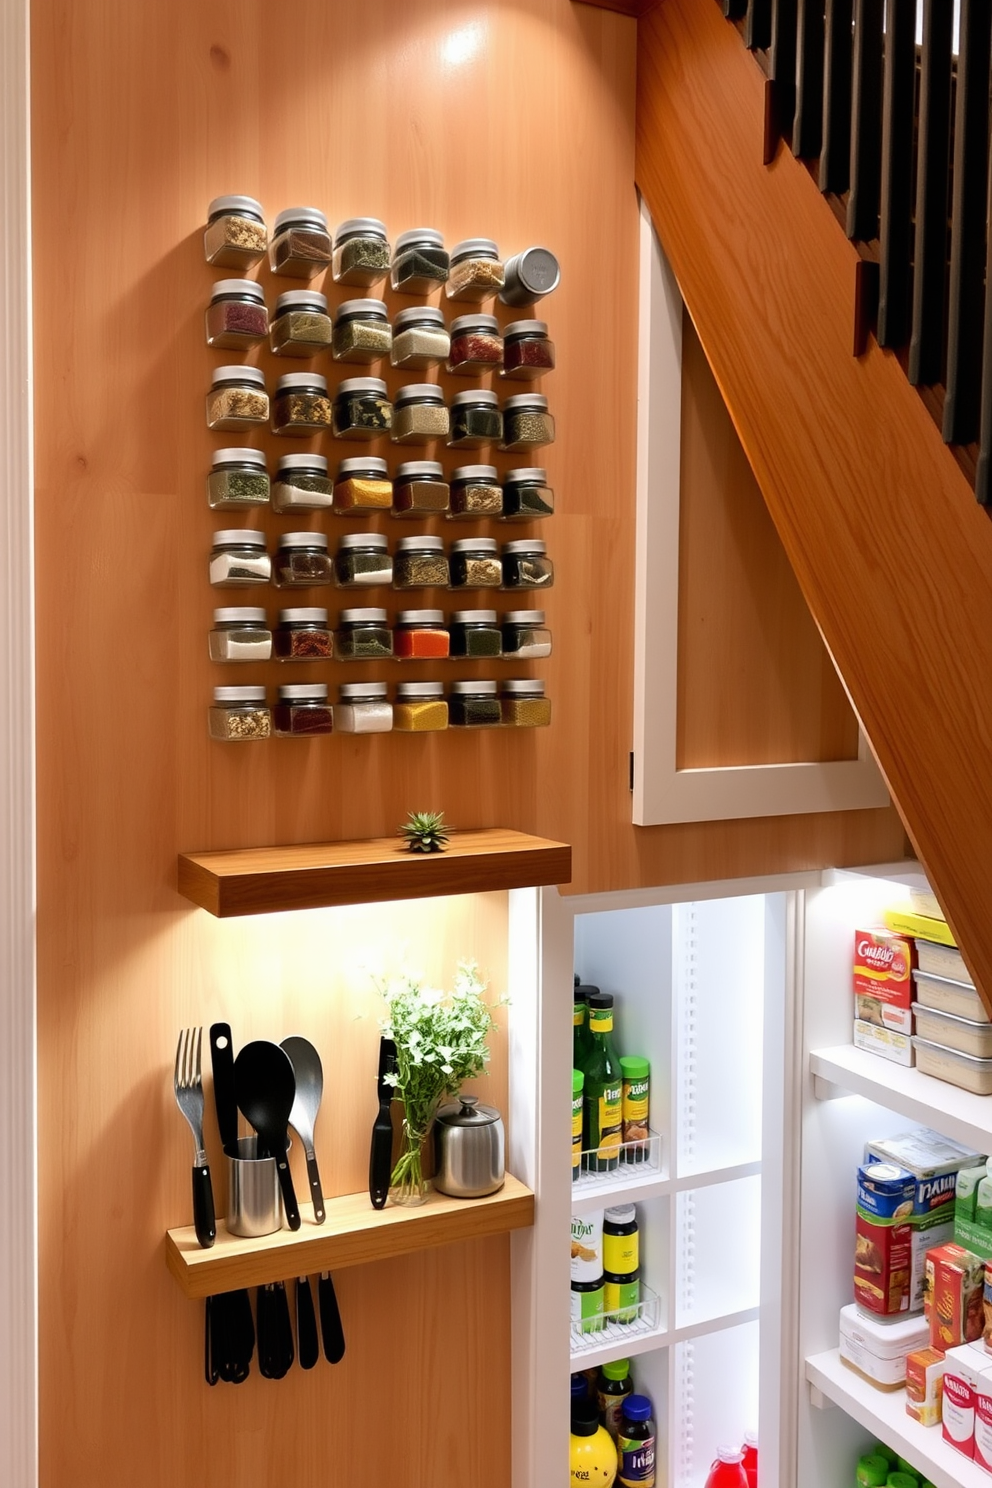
[(469, 1146), (253, 1197)]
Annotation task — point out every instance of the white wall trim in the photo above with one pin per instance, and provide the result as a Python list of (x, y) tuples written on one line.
[(662, 792), (18, 1116)]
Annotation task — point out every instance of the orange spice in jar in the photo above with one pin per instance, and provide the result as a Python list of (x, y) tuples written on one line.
[(363, 485), (421, 635), (420, 708)]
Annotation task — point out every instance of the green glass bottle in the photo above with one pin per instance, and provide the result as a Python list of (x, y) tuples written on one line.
[(581, 1040), (603, 1089)]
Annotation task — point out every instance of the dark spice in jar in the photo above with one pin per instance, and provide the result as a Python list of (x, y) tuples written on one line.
[(419, 489), (301, 244), (302, 635), (361, 251), (303, 709), (526, 565), (475, 420), (301, 404), (236, 315), (302, 561), (527, 495), (362, 561), (473, 705), (362, 409), (238, 478), (527, 350), (475, 634), (420, 262)]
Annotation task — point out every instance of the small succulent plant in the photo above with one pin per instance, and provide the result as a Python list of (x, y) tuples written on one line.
[(425, 831)]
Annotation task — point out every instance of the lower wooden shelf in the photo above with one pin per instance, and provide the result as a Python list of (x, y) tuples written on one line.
[(353, 1234)]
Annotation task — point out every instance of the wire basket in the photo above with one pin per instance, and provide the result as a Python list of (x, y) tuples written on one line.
[(633, 1160), (605, 1327)]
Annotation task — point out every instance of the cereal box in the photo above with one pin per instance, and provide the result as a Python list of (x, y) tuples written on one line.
[(925, 1385), (954, 1290), (883, 984)]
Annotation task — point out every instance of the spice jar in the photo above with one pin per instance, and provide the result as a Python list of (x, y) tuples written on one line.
[(420, 338), (475, 419), (525, 635), (302, 560), (476, 344), (527, 350), (302, 635), (475, 634), (301, 404), (362, 561), (239, 714), (420, 262), (238, 477), (362, 332), (236, 315), (361, 251), (302, 326), (473, 705), (420, 635), (476, 491), (420, 564), (301, 484), (527, 495), (303, 709), (522, 704), (235, 236), (363, 709), (529, 276), (420, 708), (526, 565), (237, 398), (361, 409), (474, 564), (527, 422), (301, 243), (420, 489), (238, 558), (363, 635), (363, 485), (240, 633), (419, 414), (476, 272)]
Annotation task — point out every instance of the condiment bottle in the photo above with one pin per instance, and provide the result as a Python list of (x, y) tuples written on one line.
[(239, 715), (361, 251), (235, 235), (591, 1453), (636, 1103), (303, 709), (526, 494), (420, 262), (420, 563), (363, 485), (525, 635), (586, 1302), (362, 409), (302, 634), (238, 477), (362, 561), (475, 419), (615, 1387), (420, 708), (301, 326), (526, 564), (577, 1080), (236, 315), (603, 1089), (581, 1037), (523, 704), (529, 276), (727, 1471), (362, 332), (238, 558), (237, 398), (475, 633), (301, 484), (301, 244), (420, 489), (526, 422), (636, 1444), (363, 709), (580, 1387), (420, 337), (419, 414), (300, 404), (750, 1459), (476, 344), (473, 705), (240, 633), (475, 492), (302, 560), (527, 352), (621, 1240), (420, 635), (476, 271)]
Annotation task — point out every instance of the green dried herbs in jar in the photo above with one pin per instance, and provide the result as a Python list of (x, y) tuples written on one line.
[(238, 559), (362, 332), (475, 634), (475, 419), (361, 251), (301, 326), (420, 262), (420, 338), (301, 484), (238, 477), (474, 705), (362, 561), (363, 635), (301, 243), (419, 414), (362, 409), (301, 404), (237, 398)]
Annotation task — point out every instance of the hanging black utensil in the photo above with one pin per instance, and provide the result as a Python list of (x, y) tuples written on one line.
[(381, 1153), (225, 1099), (210, 1373), (303, 1117), (285, 1353), (331, 1328), (306, 1324), (234, 1336), (266, 1088)]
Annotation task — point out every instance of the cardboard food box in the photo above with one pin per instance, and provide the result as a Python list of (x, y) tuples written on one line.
[(925, 1385), (884, 1041), (882, 1238), (983, 1421), (955, 1284), (883, 980), (965, 1377)]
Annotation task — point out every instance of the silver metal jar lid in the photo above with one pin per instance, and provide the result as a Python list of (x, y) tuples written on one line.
[(290, 381), (302, 299), (487, 689), (474, 248), (363, 465), (305, 615), (303, 692), (412, 469), (535, 271), (525, 687), (488, 474), (359, 227), (474, 545), (239, 537), (304, 540), (420, 617), (526, 475), (419, 392), (363, 616), (360, 691), (357, 309), (474, 395), (474, 617), (525, 545), (428, 237), (239, 694), (239, 615), (526, 328), (524, 617), (426, 315), (316, 463), (362, 385), (254, 375), (621, 1215), (466, 1111), (301, 217), (240, 289), (241, 206), (413, 690), (420, 545), (363, 540), (465, 323), (536, 401), (239, 457)]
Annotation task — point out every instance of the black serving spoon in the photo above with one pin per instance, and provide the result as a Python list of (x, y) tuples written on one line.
[(266, 1088)]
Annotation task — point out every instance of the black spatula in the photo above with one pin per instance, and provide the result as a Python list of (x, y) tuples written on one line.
[(266, 1087)]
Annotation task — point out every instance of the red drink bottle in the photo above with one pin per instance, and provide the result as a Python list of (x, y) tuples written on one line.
[(727, 1471)]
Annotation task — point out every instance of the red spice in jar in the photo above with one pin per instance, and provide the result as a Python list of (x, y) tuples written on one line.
[(528, 351), (475, 343)]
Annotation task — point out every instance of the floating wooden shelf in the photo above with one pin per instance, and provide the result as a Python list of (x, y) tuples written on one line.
[(353, 1234), (265, 880)]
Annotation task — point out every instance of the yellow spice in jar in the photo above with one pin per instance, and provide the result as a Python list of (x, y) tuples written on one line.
[(359, 494), (420, 718), (526, 712)]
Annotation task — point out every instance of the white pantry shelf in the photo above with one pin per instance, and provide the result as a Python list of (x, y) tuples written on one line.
[(884, 1414), (955, 1113), (624, 1343)]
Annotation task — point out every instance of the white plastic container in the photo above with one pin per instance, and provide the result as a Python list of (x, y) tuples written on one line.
[(954, 1067), (965, 1034), (948, 996), (877, 1349), (941, 960)]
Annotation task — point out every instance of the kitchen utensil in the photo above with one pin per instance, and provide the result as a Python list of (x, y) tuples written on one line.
[(266, 1087), (233, 1336), (275, 1331), (222, 1064), (306, 1103), (210, 1373), (252, 1191), (469, 1146), (307, 1343), (188, 1086), (381, 1153), (331, 1328)]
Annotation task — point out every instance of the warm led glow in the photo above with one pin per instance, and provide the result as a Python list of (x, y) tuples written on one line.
[(461, 45)]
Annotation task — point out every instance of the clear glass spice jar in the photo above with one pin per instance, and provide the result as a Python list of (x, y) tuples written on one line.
[(238, 477), (420, 489), (476, 344), (526, 565), (302, 635), (302, 708), (474, 564), (530, 276), (476, 491), (300, 404), (235, 236), (526, 422), (363, 709), (475, 634), (239, 715), (420, 338), (302, 484), (362, 561), (301, 243), (238, 559), (419, 414), (476, 271), (362, 409), (474, 705), (362, 332), (361, 251), (420, 261), (420, 708), (362, 485), (420, 635), (240, 633), (527, 495), (420, 563), (302, 561), (236, 315), (301, 326), (528, 352), (363, 635), (525, 635), (475, 419), (522, 704), (237, 398)]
